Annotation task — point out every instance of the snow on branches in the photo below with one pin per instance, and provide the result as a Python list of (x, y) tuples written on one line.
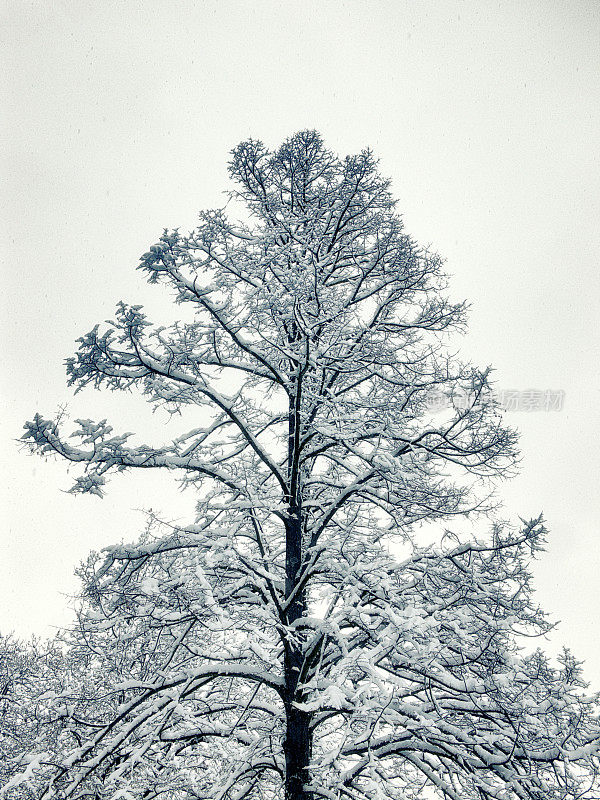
[(279, 647)]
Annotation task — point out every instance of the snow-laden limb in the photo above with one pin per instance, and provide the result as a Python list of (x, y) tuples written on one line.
[(110, 453), (276, 648)]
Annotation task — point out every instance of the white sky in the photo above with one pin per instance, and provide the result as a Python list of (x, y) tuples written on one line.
[(118, 118)]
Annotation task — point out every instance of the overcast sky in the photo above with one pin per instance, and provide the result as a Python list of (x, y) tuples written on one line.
[(117, 122)]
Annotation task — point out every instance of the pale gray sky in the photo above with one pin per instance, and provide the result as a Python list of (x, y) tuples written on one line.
[(117, 121)]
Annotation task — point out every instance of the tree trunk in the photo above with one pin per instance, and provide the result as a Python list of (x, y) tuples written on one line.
[(297, 749), (297, 745)]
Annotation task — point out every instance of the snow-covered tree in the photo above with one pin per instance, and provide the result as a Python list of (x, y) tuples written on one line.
[(32, 676), (295, 641)]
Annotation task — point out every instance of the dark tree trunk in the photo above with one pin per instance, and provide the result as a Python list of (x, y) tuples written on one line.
[(297, 750), (297, 744)]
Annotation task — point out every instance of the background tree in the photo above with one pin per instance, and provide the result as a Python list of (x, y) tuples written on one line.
[(34, 707), (277, 647)]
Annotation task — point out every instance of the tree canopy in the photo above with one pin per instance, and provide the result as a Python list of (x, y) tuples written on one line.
[(297, 640)]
